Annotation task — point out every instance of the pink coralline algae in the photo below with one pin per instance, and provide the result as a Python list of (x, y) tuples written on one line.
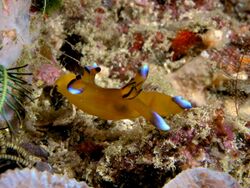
[(202, 177), (48, 73)]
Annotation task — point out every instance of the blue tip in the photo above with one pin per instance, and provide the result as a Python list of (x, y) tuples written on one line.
[(94, 65), (144, 70), (74, 91), (183, 103), (159, 122)]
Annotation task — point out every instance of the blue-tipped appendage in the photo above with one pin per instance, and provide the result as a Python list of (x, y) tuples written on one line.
[(75, 91), (143, 71), (183, 103), (72, 90), (159, 122), (92, 67)]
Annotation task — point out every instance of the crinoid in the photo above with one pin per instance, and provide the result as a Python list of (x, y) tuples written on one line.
[(12, 153), (12, 90)]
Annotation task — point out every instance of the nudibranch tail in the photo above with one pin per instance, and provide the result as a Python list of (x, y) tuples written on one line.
[(152, 116), (183, 103)]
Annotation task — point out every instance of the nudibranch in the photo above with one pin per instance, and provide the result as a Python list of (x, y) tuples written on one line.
[(128, 102)]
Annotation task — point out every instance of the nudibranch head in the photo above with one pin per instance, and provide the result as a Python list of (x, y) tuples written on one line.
[(159, 122), (183, 103), (75, 87)]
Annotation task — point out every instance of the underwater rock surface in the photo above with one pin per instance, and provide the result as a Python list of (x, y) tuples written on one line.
[(28, 178), (202, 177)]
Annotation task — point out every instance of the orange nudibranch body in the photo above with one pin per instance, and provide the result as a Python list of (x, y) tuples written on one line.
[(127, 102)]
